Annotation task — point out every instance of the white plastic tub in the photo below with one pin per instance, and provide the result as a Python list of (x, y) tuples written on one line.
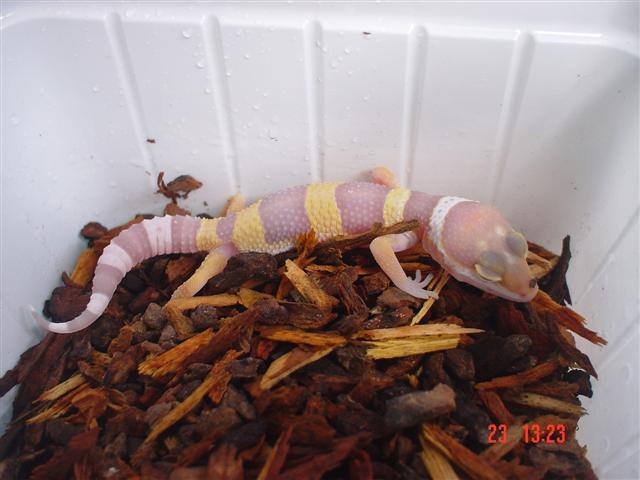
[(533, 106)]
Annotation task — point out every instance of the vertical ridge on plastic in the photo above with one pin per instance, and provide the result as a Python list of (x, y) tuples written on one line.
[(612, 348), (414, 80), (124, 65), (212, 35), (514, 92), (620, 457), (315, 97), (633, 220)]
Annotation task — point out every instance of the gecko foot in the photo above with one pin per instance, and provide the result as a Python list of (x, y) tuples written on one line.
[(415, 286)]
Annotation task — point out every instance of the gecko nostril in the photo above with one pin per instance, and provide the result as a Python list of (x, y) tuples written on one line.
[(533, 283)]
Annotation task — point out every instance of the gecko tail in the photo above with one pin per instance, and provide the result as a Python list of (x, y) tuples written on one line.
[(151, 237), (82, 321)]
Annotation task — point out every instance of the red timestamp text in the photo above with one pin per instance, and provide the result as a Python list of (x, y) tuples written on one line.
[(531, 433)]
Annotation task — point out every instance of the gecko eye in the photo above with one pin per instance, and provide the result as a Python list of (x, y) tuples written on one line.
[(517, 243), (491, 266)]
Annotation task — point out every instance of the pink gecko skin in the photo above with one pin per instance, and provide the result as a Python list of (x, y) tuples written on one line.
[(472, 241)]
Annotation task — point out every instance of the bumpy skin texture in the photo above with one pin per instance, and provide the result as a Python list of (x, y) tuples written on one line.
[(473, 242)]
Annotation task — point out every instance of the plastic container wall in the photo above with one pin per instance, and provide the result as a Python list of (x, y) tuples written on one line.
[(531, 106)]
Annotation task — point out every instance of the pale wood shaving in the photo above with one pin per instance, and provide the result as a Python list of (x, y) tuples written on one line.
[(436, 463), (437, 284), (219, 300), (405, 347), (289, 363), (62, 388), (217, 374), (475, 466), (546, 403), (498, 450), (171, 360), (298, 335), (307, 287), (85, 266), (249, 297), (414, 331)]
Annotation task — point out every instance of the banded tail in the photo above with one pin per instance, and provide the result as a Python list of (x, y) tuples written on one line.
[(156, 236)]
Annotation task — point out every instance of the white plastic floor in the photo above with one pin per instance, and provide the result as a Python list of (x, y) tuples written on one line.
[(532, 106)]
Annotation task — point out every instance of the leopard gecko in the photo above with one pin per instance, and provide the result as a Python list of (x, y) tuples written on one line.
[(471, 241)]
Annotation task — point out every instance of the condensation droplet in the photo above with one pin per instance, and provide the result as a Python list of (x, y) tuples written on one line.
[(347, 50), (200, 64), (15, 120), (187, 33), (366, 98), (228, 73), (207, 90), (247, 56), (256, 107), (96, 88)]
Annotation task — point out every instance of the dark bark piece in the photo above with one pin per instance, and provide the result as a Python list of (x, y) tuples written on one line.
[(243, 267), (376, 283), (204, 316), (245, 367), (460, 363), (133, 282), (93, 230), (434, 372), (66, 303), (395, 298), (555, 283), (154, 317), (580, 378), (474, 418), (142, 300), (58, 466), (418, 407)]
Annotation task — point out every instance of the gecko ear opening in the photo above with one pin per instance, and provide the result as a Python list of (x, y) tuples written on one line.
[(487, 274)]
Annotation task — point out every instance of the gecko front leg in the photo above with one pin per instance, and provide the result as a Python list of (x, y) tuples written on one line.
[(212, 265), (384, 250)]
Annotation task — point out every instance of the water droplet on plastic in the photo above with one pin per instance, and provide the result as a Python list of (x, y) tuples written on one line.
[(96, 88), (318, 43), (207, 91), (334, 64), (265, 94), (325, 49), (200, 64), (247, 56), (256, 107), (15, 120), (187, 33), (347, 50), (366, 98), (228, 73)]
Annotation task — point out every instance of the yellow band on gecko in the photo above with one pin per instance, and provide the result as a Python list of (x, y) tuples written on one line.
[(248, 230), (322, 209), (207, 236), (394, 205)]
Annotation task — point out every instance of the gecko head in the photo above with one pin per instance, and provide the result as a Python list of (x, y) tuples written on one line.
[(481, 248)]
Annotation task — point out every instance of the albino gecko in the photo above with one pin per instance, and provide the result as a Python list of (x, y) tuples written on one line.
[(471, 241)]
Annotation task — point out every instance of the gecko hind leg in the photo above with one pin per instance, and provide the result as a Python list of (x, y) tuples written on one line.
[(384, 250), (212, 265), (384, 176)]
